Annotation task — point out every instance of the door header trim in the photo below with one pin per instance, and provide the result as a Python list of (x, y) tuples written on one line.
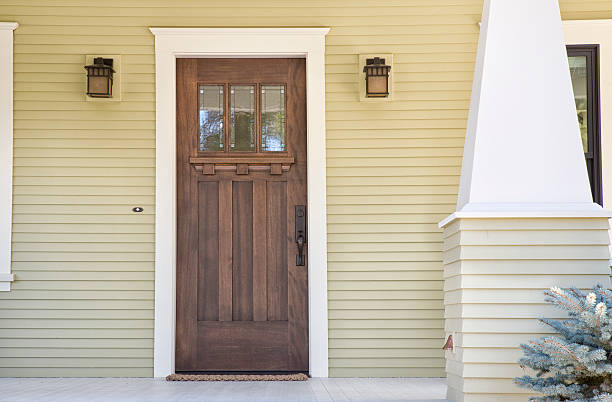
[(240, 32), (172, 43)]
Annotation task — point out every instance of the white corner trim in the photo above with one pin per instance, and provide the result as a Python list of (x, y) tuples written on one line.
[(7, 277), (173, 43), (6, 152), (5, 282)]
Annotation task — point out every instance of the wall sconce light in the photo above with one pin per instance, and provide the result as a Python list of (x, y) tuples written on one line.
[(377, 78), (100, 78)]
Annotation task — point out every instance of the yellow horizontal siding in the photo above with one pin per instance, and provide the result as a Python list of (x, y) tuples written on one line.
[(82, 259)]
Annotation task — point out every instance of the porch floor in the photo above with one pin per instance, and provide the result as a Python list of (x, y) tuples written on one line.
[(157, 390)]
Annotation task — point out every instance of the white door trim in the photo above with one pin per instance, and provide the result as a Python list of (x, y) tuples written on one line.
[(173, 43)]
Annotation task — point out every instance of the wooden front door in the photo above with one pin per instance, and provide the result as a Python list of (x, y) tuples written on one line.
[(242, 285)]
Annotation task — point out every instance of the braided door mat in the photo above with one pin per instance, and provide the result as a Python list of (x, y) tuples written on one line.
[(237, 377)]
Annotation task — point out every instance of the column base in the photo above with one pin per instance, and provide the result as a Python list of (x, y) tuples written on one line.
[(495, 272)]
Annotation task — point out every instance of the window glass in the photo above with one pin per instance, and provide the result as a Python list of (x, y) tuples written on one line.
[(242, 116), (211, 117), (273, 117), (578, 69)]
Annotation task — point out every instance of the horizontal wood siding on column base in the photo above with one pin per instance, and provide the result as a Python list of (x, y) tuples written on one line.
[(495, 273)]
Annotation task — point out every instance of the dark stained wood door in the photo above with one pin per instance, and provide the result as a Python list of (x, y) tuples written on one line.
[(242, 297)]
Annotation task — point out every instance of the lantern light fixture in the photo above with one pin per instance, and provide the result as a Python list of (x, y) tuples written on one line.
[(377, 78), (100, 78)]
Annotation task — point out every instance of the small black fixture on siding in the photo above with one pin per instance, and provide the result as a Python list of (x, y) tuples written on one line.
[(100, 78), (377, 78)]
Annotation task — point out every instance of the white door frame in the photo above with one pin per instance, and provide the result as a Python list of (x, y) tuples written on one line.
[(173, 43)]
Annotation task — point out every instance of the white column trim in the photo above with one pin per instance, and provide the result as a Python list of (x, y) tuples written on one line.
[(525, 210), (6, 152), (173, 43), (501, 176)]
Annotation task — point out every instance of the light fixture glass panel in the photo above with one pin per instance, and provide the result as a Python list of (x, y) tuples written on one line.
[(273, 117), (242, 114), (211, 117), (377, 85), (98, 84), (578, 70)]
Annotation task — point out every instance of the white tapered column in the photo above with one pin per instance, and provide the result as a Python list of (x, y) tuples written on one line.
[(525, 218)]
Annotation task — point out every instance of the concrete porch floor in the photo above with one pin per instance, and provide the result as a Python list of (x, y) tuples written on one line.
[(158, 390)]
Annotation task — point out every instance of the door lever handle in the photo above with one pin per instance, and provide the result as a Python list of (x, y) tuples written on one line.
[(299, 261), (300, 234)]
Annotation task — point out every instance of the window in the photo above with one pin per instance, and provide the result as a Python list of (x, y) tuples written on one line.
[(584, 69), (273, 118), (242, 123), (244, 118), (211, 117)]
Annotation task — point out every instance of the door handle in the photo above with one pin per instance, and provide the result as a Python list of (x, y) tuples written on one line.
[(299, 261), (300, 234)]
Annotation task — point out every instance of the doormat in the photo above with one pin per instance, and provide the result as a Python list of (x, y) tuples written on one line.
[(237, 377)]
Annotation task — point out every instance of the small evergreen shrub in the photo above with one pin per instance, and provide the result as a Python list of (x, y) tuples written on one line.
[(576, 365)]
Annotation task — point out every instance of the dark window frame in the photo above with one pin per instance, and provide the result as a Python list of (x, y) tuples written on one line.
[(593, 157)]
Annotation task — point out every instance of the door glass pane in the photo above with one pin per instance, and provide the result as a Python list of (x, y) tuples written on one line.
[(242, 113), (578, 69), (272, 117), (211, 117)]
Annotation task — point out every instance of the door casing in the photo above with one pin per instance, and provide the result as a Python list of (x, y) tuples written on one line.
[(173, 43)]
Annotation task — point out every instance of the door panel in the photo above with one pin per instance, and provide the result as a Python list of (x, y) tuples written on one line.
[(242, 302), (277, 264), (242, 250), (208, 261)]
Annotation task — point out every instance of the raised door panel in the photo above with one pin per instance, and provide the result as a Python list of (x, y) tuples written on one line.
[(208, 243)]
